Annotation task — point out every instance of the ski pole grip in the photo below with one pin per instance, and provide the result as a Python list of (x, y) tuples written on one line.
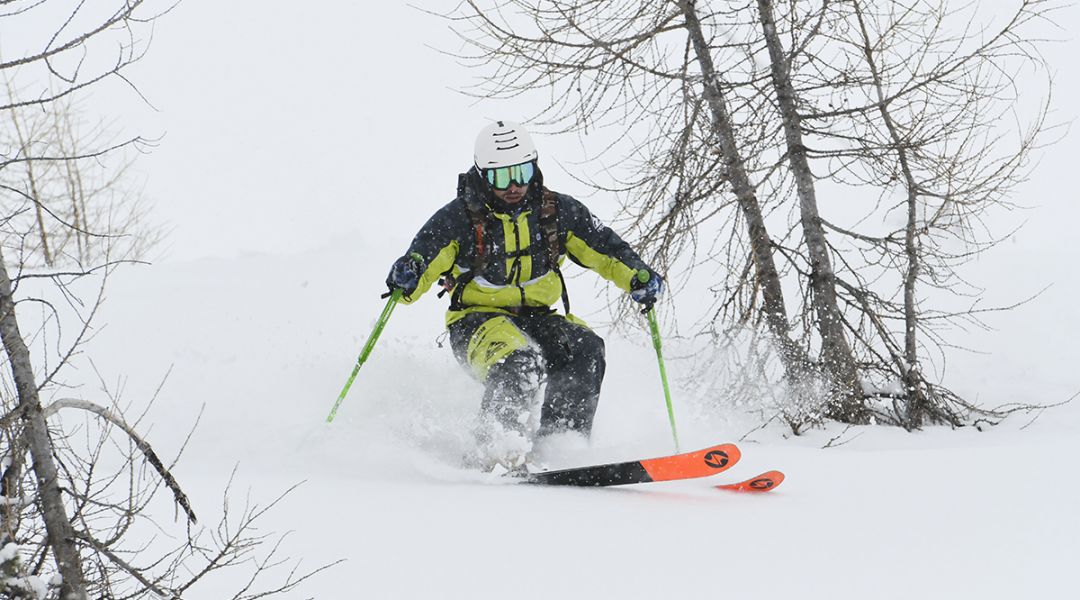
[(643, 276)]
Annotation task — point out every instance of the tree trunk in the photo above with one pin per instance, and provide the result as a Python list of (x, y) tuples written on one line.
[(25, 148), (61, 535), (836, 355), (768, 278), (916, 405)]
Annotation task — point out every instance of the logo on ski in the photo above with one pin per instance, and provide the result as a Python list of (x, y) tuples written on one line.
[(717, 459), (761, 484)]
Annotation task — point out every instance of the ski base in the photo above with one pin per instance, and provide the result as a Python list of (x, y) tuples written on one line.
[(689, 465)]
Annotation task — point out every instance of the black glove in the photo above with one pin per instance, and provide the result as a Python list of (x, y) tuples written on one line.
[(405, 273), (646, 287)]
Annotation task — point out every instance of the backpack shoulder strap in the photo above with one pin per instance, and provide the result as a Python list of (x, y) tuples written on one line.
[(549, 228), (475, 209)]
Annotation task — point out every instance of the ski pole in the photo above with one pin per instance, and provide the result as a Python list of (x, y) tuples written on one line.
[(654, 329), (383, 318)]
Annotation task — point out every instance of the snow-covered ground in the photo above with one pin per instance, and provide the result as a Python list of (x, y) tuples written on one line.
[(265, 342), (291, 182)]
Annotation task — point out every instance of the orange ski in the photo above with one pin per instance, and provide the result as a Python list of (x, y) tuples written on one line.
[(765, 482), (702, 463)]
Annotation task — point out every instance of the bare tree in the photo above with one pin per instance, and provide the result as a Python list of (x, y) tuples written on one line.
[(732, 112), (648, 67), (84, 512), (913, 105), (767, 276)]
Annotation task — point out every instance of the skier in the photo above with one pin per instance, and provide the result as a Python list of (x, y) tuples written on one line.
[(497, 250)]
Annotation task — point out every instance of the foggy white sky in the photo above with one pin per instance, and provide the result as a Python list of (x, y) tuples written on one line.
[(317, 118)]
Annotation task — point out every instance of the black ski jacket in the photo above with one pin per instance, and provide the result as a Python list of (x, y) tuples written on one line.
[(516, 273)]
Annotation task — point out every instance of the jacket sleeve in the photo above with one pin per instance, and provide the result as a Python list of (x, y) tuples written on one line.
[(437, 245), (596, 246)]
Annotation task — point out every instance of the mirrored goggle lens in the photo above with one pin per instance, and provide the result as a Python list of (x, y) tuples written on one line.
[(502, 177)]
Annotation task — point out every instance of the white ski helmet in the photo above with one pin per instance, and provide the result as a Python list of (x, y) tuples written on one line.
[(503, 144)]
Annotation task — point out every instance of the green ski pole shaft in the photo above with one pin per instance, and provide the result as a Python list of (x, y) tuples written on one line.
[(383, 318), (654, 329)]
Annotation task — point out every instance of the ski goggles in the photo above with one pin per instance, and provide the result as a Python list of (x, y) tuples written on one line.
[(500, 178)]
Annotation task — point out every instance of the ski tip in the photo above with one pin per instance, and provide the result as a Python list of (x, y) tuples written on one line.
[(702, 463), (766, 482)]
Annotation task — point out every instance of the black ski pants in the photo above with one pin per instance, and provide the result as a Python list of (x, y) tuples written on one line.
[(511, 354)]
